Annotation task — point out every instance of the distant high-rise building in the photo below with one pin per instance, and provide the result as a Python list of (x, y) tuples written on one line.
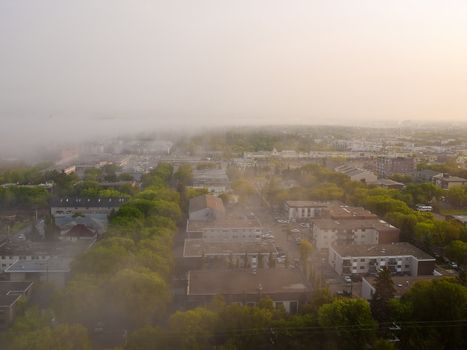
[(387, 166)]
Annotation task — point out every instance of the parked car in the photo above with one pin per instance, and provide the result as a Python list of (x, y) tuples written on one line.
[(348, 279), (453, 265), (343, 293)]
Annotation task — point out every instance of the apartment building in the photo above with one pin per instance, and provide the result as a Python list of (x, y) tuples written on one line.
[(74, 205), (286, 287), (388, 166), (234, 228), (356, 174), (326, 232), (445, 181), (400, 258), (302, 210)]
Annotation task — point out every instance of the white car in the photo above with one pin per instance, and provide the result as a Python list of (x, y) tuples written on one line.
[(347, 279), (295, 230)]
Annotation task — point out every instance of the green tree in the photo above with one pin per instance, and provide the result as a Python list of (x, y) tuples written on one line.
[(431, 305), (351, 321), (457, 251), (148, 338), (384, 292), (306, 248), (195, 327), (136, 296)]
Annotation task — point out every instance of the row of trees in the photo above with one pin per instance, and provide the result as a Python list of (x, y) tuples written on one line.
[(122, 282), (395, 206), (325, 323)]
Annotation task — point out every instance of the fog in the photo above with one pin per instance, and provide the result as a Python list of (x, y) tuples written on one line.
[(74, 69)]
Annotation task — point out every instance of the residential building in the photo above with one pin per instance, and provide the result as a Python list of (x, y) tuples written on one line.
[(326, 232), (10, 293), (356, 174), (387, 183), (94, 222), (286, 287), (215, 181), (75, 205), (445, 181), (53, 270), (402, 284), (26, 251), (206, 208), (338, 211), (401, 258), (197, 251), (234, 228), (78, 232), (426, 175), (302, 210), (388, 166)]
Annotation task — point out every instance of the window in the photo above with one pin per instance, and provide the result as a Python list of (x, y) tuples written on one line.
[(362, 260), (279, 304), (362, 267), (407, 266), (293, 307)]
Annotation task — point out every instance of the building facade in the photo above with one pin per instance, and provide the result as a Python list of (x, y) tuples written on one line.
[(402, 258)]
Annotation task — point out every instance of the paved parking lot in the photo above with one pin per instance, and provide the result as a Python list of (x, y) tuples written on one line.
[(281, 239)]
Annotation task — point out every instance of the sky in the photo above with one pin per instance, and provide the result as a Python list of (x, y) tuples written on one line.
[(70, 68)]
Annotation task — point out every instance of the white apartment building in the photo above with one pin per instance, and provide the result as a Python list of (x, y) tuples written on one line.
[(398, 257)]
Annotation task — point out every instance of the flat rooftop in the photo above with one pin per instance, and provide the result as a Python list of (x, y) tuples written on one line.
[(339, 211), (8, 300), (451, 178), (402, 284), (197, 247), (386, 182), (244, 281), (238, 221), (332, 224), (54, 248), (78, 202), (14, 287), (306, 204), (40, 266), (390, 249)]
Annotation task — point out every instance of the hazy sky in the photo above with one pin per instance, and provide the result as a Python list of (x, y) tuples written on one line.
[(71, 66)]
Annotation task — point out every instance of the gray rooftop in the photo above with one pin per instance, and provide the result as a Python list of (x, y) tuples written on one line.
[(75, 202), (402, 284), (244, 281), (197, 247), (306, 204), (11, 288), (377, 250), (40, 266), (44, 248)]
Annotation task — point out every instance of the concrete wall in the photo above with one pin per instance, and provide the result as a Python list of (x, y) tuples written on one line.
[(233, 234), (367, 290)]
